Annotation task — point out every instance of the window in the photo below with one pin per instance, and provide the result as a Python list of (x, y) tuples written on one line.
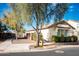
[(62, 32), (59, 32), (65, 34)]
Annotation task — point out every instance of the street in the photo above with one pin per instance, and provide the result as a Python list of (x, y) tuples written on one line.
[(58, 52)]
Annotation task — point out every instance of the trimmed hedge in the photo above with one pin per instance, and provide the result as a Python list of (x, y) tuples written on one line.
[(64, 39), (34, 36)]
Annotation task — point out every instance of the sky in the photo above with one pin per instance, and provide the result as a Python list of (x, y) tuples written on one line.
[(3, 7), (71, 14)]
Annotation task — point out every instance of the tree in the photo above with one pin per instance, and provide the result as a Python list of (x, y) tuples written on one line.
[(14, 22), (9, 20), (39, 13)]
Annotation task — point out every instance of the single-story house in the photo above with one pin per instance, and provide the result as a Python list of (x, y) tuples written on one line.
[(67, 28)]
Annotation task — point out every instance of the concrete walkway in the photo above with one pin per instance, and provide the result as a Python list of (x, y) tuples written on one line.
[(8, 47), (5, 44)]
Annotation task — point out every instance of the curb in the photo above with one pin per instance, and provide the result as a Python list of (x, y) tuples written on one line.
[(39, 50), (31, 50)]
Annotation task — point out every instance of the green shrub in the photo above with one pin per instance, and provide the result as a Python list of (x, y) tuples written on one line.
[(64, 39), (41, 36), (34, 37), (55, 39), (67, 39), (74, 38)]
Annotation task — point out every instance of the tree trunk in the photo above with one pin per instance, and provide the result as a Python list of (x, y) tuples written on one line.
[(38, 40), (42, 42)]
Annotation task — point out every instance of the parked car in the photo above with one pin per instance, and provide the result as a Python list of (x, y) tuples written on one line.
[(6, 33)]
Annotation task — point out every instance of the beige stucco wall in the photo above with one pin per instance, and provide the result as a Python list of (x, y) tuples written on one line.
[(76, 26), (47, 33)]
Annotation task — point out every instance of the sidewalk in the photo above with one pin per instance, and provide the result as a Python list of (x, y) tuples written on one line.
[(4, 45), (8, 47), (36, 49), (23, 48)]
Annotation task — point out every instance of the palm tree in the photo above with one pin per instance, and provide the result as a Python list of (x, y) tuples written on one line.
[(39, 13)]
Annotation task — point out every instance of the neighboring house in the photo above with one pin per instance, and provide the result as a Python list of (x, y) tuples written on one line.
[(5, 32), (67, 28)]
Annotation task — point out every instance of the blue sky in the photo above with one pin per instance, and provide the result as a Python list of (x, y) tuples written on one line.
[(3, 7), (71, 14)]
